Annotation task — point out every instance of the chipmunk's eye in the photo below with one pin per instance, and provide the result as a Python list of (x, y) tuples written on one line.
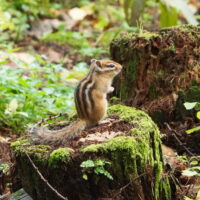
[(111, 65)]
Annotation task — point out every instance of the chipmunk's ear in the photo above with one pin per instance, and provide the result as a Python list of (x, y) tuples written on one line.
[(98, 63), (98, 66), (92, 61)]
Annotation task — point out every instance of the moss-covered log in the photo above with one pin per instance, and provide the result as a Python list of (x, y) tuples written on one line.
[(127, 166), (156, 66)]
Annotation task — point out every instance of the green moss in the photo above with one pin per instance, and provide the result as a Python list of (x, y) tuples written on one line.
[(125, 38), (165, 186), (126, 143), (188, 28), (147, 35), (59, 156), (20, 142), (143, 124), (39, 152), (18, 145)]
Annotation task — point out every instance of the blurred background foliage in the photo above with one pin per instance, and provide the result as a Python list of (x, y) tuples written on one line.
[(46, 45), (16, 16)]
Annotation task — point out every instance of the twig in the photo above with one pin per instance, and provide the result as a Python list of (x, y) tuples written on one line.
[(124, 187), (191, 186), (47, 119), (180, 143), (51, 117), (45, 181)]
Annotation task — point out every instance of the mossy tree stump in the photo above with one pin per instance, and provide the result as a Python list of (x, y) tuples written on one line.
[(156, 66), (129, 165)]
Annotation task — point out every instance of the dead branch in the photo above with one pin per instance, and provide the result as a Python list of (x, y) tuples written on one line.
[(125, 186), (44, 180), (180, 143)]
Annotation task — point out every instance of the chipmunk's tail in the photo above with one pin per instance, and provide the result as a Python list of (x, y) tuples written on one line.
[(46, 136)]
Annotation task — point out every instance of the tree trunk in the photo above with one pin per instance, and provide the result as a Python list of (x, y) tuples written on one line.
[(156, 66)]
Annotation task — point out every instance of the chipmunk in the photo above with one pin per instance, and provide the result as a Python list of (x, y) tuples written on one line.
[(90, 100)]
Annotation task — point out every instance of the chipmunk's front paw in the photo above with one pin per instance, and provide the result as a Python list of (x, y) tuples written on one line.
[(111, 89)]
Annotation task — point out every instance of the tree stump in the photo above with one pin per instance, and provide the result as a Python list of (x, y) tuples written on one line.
[(156, 66), (118, 159)]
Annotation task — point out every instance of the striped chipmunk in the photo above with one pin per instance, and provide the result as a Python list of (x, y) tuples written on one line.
[(90, 100)]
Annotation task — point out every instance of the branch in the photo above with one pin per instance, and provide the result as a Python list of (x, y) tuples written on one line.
[(47, 119), (180, 143), (45, 181), (125, 186)]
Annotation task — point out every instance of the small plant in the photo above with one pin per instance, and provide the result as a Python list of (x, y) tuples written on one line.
[(194, 168), (4, 167), (97, 167), (190, 106)]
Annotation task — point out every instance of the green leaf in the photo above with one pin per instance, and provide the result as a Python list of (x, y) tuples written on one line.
[(189, 173), (169, 15), (85, 176), (101, 170), (12, 50), (189, 105), (4, 62), (182, 7), (193, 130), (187, 198), (196, 167), (4, 166), (11, 107), (99, 162), (22, 113), (194, 162), (198, 114), (87, 163)]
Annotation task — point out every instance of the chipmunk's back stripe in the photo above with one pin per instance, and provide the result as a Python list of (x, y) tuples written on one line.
[(85, 93), (90, 92), (85, 103), (90, 96), (78, 93), (78, 101)]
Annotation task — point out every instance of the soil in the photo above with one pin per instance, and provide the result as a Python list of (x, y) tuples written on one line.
[(110, 128)]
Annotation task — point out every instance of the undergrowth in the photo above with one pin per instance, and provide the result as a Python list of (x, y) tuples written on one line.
[(30, 92)]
